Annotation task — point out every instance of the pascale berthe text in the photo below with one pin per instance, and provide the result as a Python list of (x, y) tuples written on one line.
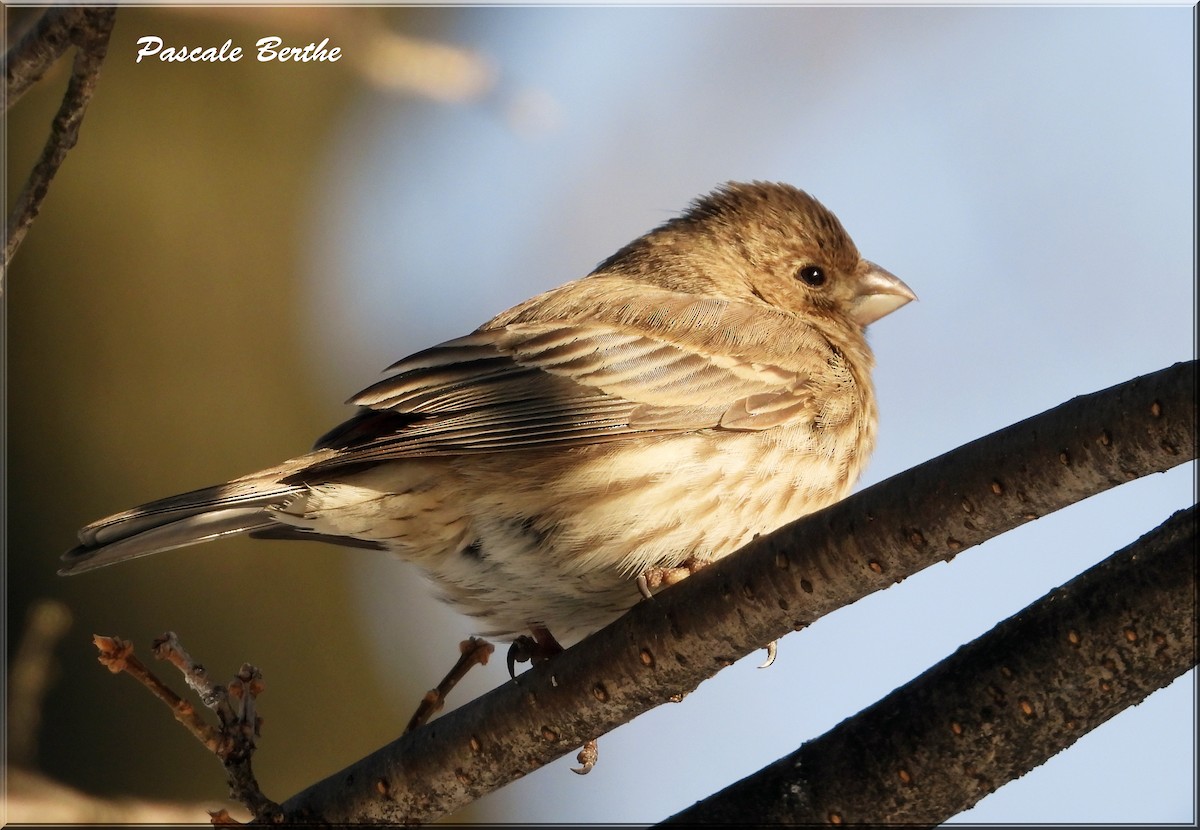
[(268, 49)]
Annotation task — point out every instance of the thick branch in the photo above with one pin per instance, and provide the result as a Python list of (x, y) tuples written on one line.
[(781, 582), (997, 707)]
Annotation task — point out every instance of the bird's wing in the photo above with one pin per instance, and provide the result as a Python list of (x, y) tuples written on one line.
[(534, 384)]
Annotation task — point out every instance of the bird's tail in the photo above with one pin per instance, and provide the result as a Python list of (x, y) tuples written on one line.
[(238, 506)]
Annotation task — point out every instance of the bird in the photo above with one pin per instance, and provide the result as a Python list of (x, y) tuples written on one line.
[(707, 383)]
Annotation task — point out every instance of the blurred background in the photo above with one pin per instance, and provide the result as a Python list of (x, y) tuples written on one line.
[(233, 249)]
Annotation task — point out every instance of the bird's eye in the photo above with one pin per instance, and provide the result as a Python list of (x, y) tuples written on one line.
[(813, 275)]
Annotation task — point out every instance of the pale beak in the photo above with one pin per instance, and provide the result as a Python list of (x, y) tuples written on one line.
[(879, 294)]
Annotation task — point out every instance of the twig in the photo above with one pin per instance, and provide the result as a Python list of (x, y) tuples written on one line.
[(234, 742), (89, 29), (117, 656), (37, 50), (473, 652), (167, 647)]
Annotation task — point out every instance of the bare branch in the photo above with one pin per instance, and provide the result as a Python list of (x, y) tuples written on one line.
[(234, 742), (117, 656), (781, 582), (37, 50), (89, 28), (996, 708), (473, 652)]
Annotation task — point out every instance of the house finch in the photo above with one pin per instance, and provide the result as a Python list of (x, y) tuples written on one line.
[(708, 382)]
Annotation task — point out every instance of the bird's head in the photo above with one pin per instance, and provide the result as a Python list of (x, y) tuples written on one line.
[(764, 242)]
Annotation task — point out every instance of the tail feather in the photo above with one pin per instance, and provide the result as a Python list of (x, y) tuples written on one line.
[(177, 521)]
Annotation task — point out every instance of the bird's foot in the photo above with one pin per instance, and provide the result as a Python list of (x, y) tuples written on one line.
[(525, 649), (656, 577), (542, 646), (587, 757), (653, 578)]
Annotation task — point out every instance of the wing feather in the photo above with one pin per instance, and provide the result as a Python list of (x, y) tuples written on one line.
[(527, 384)]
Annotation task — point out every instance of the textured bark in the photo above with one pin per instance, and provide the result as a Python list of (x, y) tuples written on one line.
[(89, 28), (37, 50), (997, 707), (781, 582)]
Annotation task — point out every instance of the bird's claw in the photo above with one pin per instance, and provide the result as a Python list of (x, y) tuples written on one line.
[(656, 576), (521, 651), (587, 757), (643, 586), (525, 649)]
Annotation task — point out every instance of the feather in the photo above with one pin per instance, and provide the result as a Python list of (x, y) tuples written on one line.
[(165, 524), (528, 385)]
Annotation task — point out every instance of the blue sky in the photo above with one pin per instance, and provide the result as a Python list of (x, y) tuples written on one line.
[(1028, 171)]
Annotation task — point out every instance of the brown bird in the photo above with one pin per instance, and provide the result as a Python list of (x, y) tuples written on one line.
[(707, 383)]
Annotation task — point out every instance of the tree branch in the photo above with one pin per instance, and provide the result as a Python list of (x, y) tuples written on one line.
[(233, 741), (37, 50), (997, 707), (89, 28), (665, 647)]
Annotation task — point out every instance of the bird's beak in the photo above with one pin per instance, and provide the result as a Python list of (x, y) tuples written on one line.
[(879, 294)]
